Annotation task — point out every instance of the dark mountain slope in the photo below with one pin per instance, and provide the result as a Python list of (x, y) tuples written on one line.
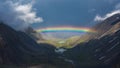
[(102, 27), (100, 52), (35, 35), (19, 48)]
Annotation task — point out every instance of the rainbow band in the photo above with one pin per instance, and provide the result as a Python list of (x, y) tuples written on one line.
[(65, 29)]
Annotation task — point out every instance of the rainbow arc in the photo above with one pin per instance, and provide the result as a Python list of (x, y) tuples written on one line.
[(65, 29)]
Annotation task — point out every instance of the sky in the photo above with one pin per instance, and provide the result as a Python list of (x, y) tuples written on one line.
[(73, 12), (56, 13)]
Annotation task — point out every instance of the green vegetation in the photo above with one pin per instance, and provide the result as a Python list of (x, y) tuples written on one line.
[(67, 43)]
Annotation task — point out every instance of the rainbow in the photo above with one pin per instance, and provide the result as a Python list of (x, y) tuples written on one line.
[(65, 29)]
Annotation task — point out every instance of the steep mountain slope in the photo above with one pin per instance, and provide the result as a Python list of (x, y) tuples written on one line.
[(102, 51), (36, 36), (18, 48), (107, 26)]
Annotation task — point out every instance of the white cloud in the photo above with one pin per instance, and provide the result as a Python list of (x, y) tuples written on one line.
[(17, 14), (25, 13), (98, 18), (116, 11), (101, 18)]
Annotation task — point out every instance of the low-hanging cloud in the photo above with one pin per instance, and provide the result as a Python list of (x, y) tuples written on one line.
[(17, 14), (115, 11), (101, 18)]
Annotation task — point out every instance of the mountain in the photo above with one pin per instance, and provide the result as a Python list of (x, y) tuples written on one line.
[(105, 25), (18, 48), (35, 35), (108, 26), (70, 42), (101, 50)]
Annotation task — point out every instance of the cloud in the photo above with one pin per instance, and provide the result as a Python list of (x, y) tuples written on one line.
[(101, 18), (116, 11), (18, 14)]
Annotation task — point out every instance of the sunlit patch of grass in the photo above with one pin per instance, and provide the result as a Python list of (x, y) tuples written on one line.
[(67, 43)]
